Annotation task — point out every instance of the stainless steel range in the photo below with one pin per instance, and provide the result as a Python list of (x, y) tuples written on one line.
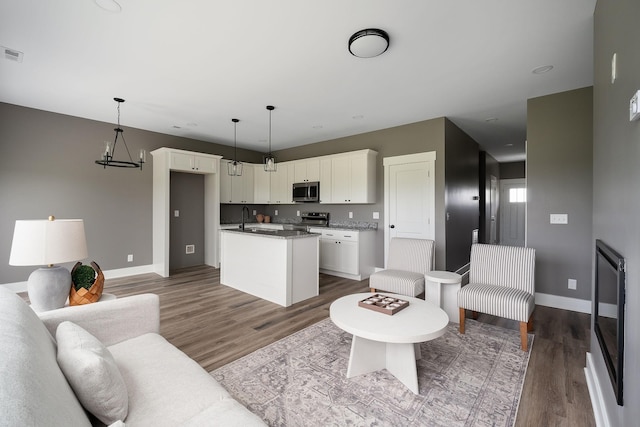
[(310, 219)]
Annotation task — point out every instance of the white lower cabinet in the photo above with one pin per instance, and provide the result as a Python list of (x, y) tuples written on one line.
[(346, 253)]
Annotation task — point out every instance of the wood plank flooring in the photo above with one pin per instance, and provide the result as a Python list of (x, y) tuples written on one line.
[(215, 324)]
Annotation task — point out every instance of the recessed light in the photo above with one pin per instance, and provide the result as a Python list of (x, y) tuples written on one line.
[(176, 127), (192, 125), (543, 69), (508, 145), (317, 127), (491, 119), (358, 117), (109, 5)]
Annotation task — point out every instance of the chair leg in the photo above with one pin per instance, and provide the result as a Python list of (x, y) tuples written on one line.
[(474, 314), (523, 335), (530, 324), (373, 290), (461, 320)]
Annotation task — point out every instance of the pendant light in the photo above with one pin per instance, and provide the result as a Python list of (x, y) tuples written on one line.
[(270, 160), (110, 149), (235, 168)]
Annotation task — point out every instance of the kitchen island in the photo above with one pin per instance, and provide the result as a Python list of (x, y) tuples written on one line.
[(280, 266)]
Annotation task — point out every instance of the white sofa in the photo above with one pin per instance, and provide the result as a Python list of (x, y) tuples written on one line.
[(164, 386)]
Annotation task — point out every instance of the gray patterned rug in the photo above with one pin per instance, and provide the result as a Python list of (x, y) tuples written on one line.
[(465, 380)]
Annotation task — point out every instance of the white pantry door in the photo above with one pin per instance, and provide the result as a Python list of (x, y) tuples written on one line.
[(409, 197)]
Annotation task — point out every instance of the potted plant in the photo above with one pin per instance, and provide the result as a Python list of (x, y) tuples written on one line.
[(87, 283)]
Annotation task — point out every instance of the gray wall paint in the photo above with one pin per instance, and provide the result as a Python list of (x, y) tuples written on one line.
[(488, 167), (462, 171), (47, 167), (512, 170), (559, 181), (187, 197), (616, 177)]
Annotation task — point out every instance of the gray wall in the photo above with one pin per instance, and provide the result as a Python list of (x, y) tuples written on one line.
[(47, 167), (512, 170), (187, 197), (488, 167), (559, 181), (616, 178), (462, 172)]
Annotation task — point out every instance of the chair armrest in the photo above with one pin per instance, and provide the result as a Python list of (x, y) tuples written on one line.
[(110, 321)]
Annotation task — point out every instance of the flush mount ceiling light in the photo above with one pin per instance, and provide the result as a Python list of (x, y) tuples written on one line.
[(109, 5), (235, 168), (110, 149), (270, 160), (368, 43), (543, 69)]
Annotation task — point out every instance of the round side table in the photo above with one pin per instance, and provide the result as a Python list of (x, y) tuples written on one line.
[(447, 297)]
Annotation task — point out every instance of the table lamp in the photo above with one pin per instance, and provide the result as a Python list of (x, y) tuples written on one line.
[(48, 242)]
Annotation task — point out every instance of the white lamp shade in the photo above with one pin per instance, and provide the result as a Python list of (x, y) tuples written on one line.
[(46, 242)]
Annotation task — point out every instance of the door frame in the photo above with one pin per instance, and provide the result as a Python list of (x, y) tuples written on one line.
[(387, 162)]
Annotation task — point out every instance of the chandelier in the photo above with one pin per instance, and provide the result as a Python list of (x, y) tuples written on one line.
[(235, 168), (110, 149), (270, 160)]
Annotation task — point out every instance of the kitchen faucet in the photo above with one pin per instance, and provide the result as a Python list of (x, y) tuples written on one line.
[(243, 208)]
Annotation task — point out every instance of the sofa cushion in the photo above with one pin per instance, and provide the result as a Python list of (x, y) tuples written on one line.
[(166, 387), (34, 392), (225, 413), (92, 372)]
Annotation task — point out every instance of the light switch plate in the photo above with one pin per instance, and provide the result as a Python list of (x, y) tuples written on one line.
[(634, 107), (176, 213), (558, 219), (376, 215)]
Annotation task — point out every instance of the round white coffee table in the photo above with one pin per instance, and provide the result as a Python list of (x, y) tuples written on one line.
[(388, 341)]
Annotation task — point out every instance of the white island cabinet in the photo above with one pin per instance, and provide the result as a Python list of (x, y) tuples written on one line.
[(280, 266)]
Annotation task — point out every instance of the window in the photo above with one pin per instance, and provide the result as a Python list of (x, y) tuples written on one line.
[(517, 195)]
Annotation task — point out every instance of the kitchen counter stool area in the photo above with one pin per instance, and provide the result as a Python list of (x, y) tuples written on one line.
[(278, 266)]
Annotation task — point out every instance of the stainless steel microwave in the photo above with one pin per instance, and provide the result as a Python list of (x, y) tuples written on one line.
[(308, 192)]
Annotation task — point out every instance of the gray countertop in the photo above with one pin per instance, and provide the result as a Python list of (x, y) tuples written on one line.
[(277, 234)]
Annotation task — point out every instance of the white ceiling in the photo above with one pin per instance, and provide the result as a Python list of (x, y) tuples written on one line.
[(187, 67)]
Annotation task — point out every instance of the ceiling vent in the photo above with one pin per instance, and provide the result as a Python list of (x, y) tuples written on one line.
[(13, 55)]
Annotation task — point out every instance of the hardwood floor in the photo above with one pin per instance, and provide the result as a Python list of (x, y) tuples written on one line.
[(215, 324)]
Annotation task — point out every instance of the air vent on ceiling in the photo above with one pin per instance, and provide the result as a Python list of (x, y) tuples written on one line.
[(13, 55)]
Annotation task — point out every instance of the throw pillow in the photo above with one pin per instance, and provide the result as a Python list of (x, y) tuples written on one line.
[(92, 372)]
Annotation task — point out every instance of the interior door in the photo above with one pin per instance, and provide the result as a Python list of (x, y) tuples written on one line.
[(513, 208), (409, 197)]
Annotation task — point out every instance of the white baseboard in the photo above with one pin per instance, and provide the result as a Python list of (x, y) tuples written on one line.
[(595, 393), (565, 303), (108, 274)]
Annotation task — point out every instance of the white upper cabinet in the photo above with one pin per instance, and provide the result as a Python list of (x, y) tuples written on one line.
[(261, 185), (353, 178), (236, 189), (325, 180), (307, 170), (192, 163), (282, 183)]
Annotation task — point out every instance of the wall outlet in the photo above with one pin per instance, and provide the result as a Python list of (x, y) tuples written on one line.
[(276, 212), (573, 284), (176, 213), (376, 215), (130, 258), (254, 212), (297, 213), (190, 249), (350, 215)]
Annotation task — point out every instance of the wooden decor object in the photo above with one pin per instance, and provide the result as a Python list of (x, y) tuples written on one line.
[(87, 296)]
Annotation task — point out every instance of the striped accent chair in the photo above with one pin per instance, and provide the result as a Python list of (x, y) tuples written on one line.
[(408, 261), (501, 283)]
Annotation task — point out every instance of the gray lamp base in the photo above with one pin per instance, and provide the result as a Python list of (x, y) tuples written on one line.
[(49, 287)]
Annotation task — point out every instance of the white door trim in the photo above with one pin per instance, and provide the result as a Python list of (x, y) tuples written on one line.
[(387, 162)]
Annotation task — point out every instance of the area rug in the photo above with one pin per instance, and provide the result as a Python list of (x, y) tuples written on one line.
[(473, 379)]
